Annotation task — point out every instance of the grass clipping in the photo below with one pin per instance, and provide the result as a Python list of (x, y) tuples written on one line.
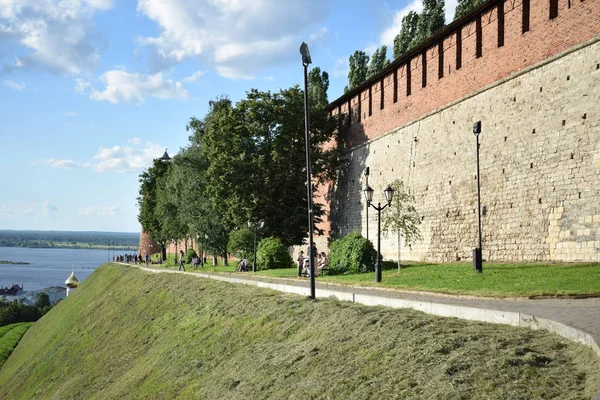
[(129, 334)]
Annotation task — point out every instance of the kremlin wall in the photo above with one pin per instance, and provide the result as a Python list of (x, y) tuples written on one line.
[(529, 70)]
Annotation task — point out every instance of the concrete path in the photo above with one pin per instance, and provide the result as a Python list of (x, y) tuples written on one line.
[(575, 319)]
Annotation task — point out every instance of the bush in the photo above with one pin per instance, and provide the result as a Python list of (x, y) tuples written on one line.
[(272, 254), (189, 254), (351, 254), (241, 243)]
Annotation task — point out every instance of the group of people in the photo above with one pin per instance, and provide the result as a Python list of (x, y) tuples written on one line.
[(304, 261)]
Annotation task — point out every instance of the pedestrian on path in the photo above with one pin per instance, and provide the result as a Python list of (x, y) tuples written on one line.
[(181, 261)]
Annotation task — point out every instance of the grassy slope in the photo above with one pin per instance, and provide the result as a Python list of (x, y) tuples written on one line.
[(129, 334), (9, 337)]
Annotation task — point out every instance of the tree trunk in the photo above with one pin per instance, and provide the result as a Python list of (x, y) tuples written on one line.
[(399, 265), (214, 260)]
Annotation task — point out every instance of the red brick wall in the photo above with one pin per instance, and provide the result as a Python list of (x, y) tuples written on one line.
[(573, 25)]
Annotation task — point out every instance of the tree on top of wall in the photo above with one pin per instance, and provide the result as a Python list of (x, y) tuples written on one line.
[(379, 61), (465, 6), (318, 83), (359, 62), (430, 21), (404, 39), (402, 217)]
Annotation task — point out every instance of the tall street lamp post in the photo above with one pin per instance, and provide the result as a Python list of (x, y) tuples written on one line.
[(254, 228), (389, 194), (367, 185), (108, 255), (477, 254), (306, 60)]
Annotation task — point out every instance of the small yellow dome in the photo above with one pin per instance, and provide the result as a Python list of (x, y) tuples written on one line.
[(72, 282)]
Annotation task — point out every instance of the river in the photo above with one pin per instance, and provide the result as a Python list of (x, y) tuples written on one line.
[(49, 267)]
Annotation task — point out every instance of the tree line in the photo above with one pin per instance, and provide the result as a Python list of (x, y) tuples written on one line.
[(244, 162), (415, 29), (67, 239)]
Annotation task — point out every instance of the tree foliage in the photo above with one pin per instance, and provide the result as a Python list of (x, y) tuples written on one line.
[(245, 161), (379, 61), (318, 84), (357, 74), (272, 254), (351, 254), (430, 21), (465, 6), (402, 217), (404, 39)]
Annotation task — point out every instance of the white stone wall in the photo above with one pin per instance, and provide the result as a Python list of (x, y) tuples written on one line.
[(540, 170)]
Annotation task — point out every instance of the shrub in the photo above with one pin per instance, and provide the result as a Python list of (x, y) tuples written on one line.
[(241, 243), (272, 254), (351, 254), (189, 254)]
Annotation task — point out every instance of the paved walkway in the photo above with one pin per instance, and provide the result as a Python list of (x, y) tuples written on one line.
[(581, 314)]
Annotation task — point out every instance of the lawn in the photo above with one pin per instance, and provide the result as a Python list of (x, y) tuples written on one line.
[(170, 336), (497, 280)]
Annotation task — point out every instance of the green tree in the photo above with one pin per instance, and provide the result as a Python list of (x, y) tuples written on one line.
[(379, 61), (150, 182), (241, 243), (402, 217), (404, 40), (359, 62), (465, 6), (318, 83), (430, 21)]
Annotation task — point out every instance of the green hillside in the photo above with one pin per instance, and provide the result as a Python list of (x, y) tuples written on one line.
[(129, 334)]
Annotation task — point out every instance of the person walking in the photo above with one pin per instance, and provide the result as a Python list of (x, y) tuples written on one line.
[(300, 260), (181, 261)]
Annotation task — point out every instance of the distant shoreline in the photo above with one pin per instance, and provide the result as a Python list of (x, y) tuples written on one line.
[(76, 247), (14, 262)]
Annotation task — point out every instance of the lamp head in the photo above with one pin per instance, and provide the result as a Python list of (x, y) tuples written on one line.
[(249, 224), (389, 194), (261, 223), (305, 54), (369, 194), (477, 128)]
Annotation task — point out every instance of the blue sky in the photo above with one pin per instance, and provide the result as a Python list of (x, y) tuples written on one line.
[(92, 90)]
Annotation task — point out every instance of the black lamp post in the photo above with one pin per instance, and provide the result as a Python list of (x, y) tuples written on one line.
[(367, 185), (254, 228), (389, 194), (108, 255), (306, 60), (477, 255)]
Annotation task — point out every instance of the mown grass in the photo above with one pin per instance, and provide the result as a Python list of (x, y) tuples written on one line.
[(129, 334), (9, 338), (497, 280)]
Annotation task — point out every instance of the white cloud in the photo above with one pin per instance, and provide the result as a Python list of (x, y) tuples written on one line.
[(65, 164), (70, 114), (99, 211), (59, 35), (388, 35), (241, 38), (194, 77), (48, 208), (318, 34), (122, 86), (341, 67), (122, 159), (19, 87)]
